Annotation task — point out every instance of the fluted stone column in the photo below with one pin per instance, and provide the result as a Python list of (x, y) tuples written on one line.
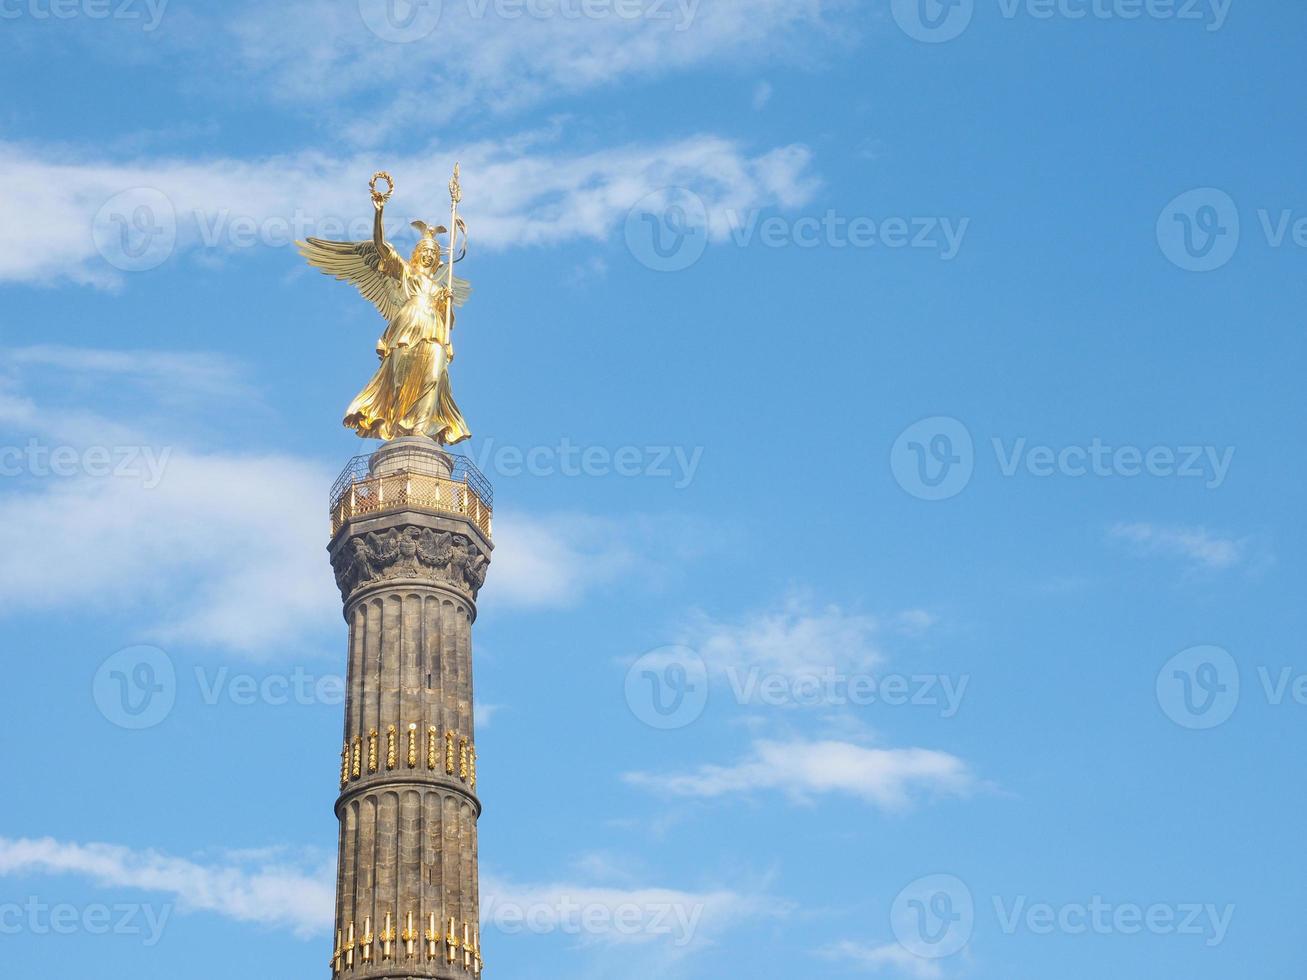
[(409, 574)]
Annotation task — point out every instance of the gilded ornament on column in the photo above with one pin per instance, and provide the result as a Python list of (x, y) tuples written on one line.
[(462, 759), (344, 765), (350, 946), (451, 941), (392, 747), (338, 957), (367, 940), (409, 936), (433, 753), (372, 750), (412, 745), (450, 760), (387, 938), (358, 756), (433, 938), (474, 769)]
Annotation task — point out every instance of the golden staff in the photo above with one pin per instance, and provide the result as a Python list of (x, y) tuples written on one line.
[(455, 196)]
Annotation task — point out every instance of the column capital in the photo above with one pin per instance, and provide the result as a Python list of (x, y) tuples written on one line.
[(432, 550)]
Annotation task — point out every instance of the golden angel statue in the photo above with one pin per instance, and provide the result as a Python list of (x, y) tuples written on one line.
[(409, 395)]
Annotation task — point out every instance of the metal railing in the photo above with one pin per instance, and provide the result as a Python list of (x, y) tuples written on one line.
[(412, 480)]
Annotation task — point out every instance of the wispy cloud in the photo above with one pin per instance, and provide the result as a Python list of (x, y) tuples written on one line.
[(794, 638), (504, 57), (217, 548), (1198, 547), (246, 890), (888, 958), (521, 191), (273, 888), (612, 916), (891, 779)]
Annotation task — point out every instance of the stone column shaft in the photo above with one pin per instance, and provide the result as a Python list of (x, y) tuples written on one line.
[(408, 806)]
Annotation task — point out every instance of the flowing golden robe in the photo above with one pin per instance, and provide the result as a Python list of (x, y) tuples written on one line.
[(410, 395)]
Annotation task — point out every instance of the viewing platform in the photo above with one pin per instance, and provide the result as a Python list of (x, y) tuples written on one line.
[(412, 474)]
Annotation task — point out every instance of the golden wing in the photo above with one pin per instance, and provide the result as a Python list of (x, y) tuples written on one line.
[(462, 288), (377, 275)]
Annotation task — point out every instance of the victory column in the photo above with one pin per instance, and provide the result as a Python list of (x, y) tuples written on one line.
[(411, 541)]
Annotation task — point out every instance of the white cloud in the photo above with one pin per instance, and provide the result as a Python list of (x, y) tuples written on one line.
[(481, 60), (272, 894), (520, 191), (485, 713), (556, 562), (891, 779), (762, 94), (222, 551), (1194, 545), (875, 959), (796, 638), (215, 548), (270, 888), (609, 916), (164, 371)]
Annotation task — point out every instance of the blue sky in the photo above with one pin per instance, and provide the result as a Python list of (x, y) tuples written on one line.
[(891, 409)]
